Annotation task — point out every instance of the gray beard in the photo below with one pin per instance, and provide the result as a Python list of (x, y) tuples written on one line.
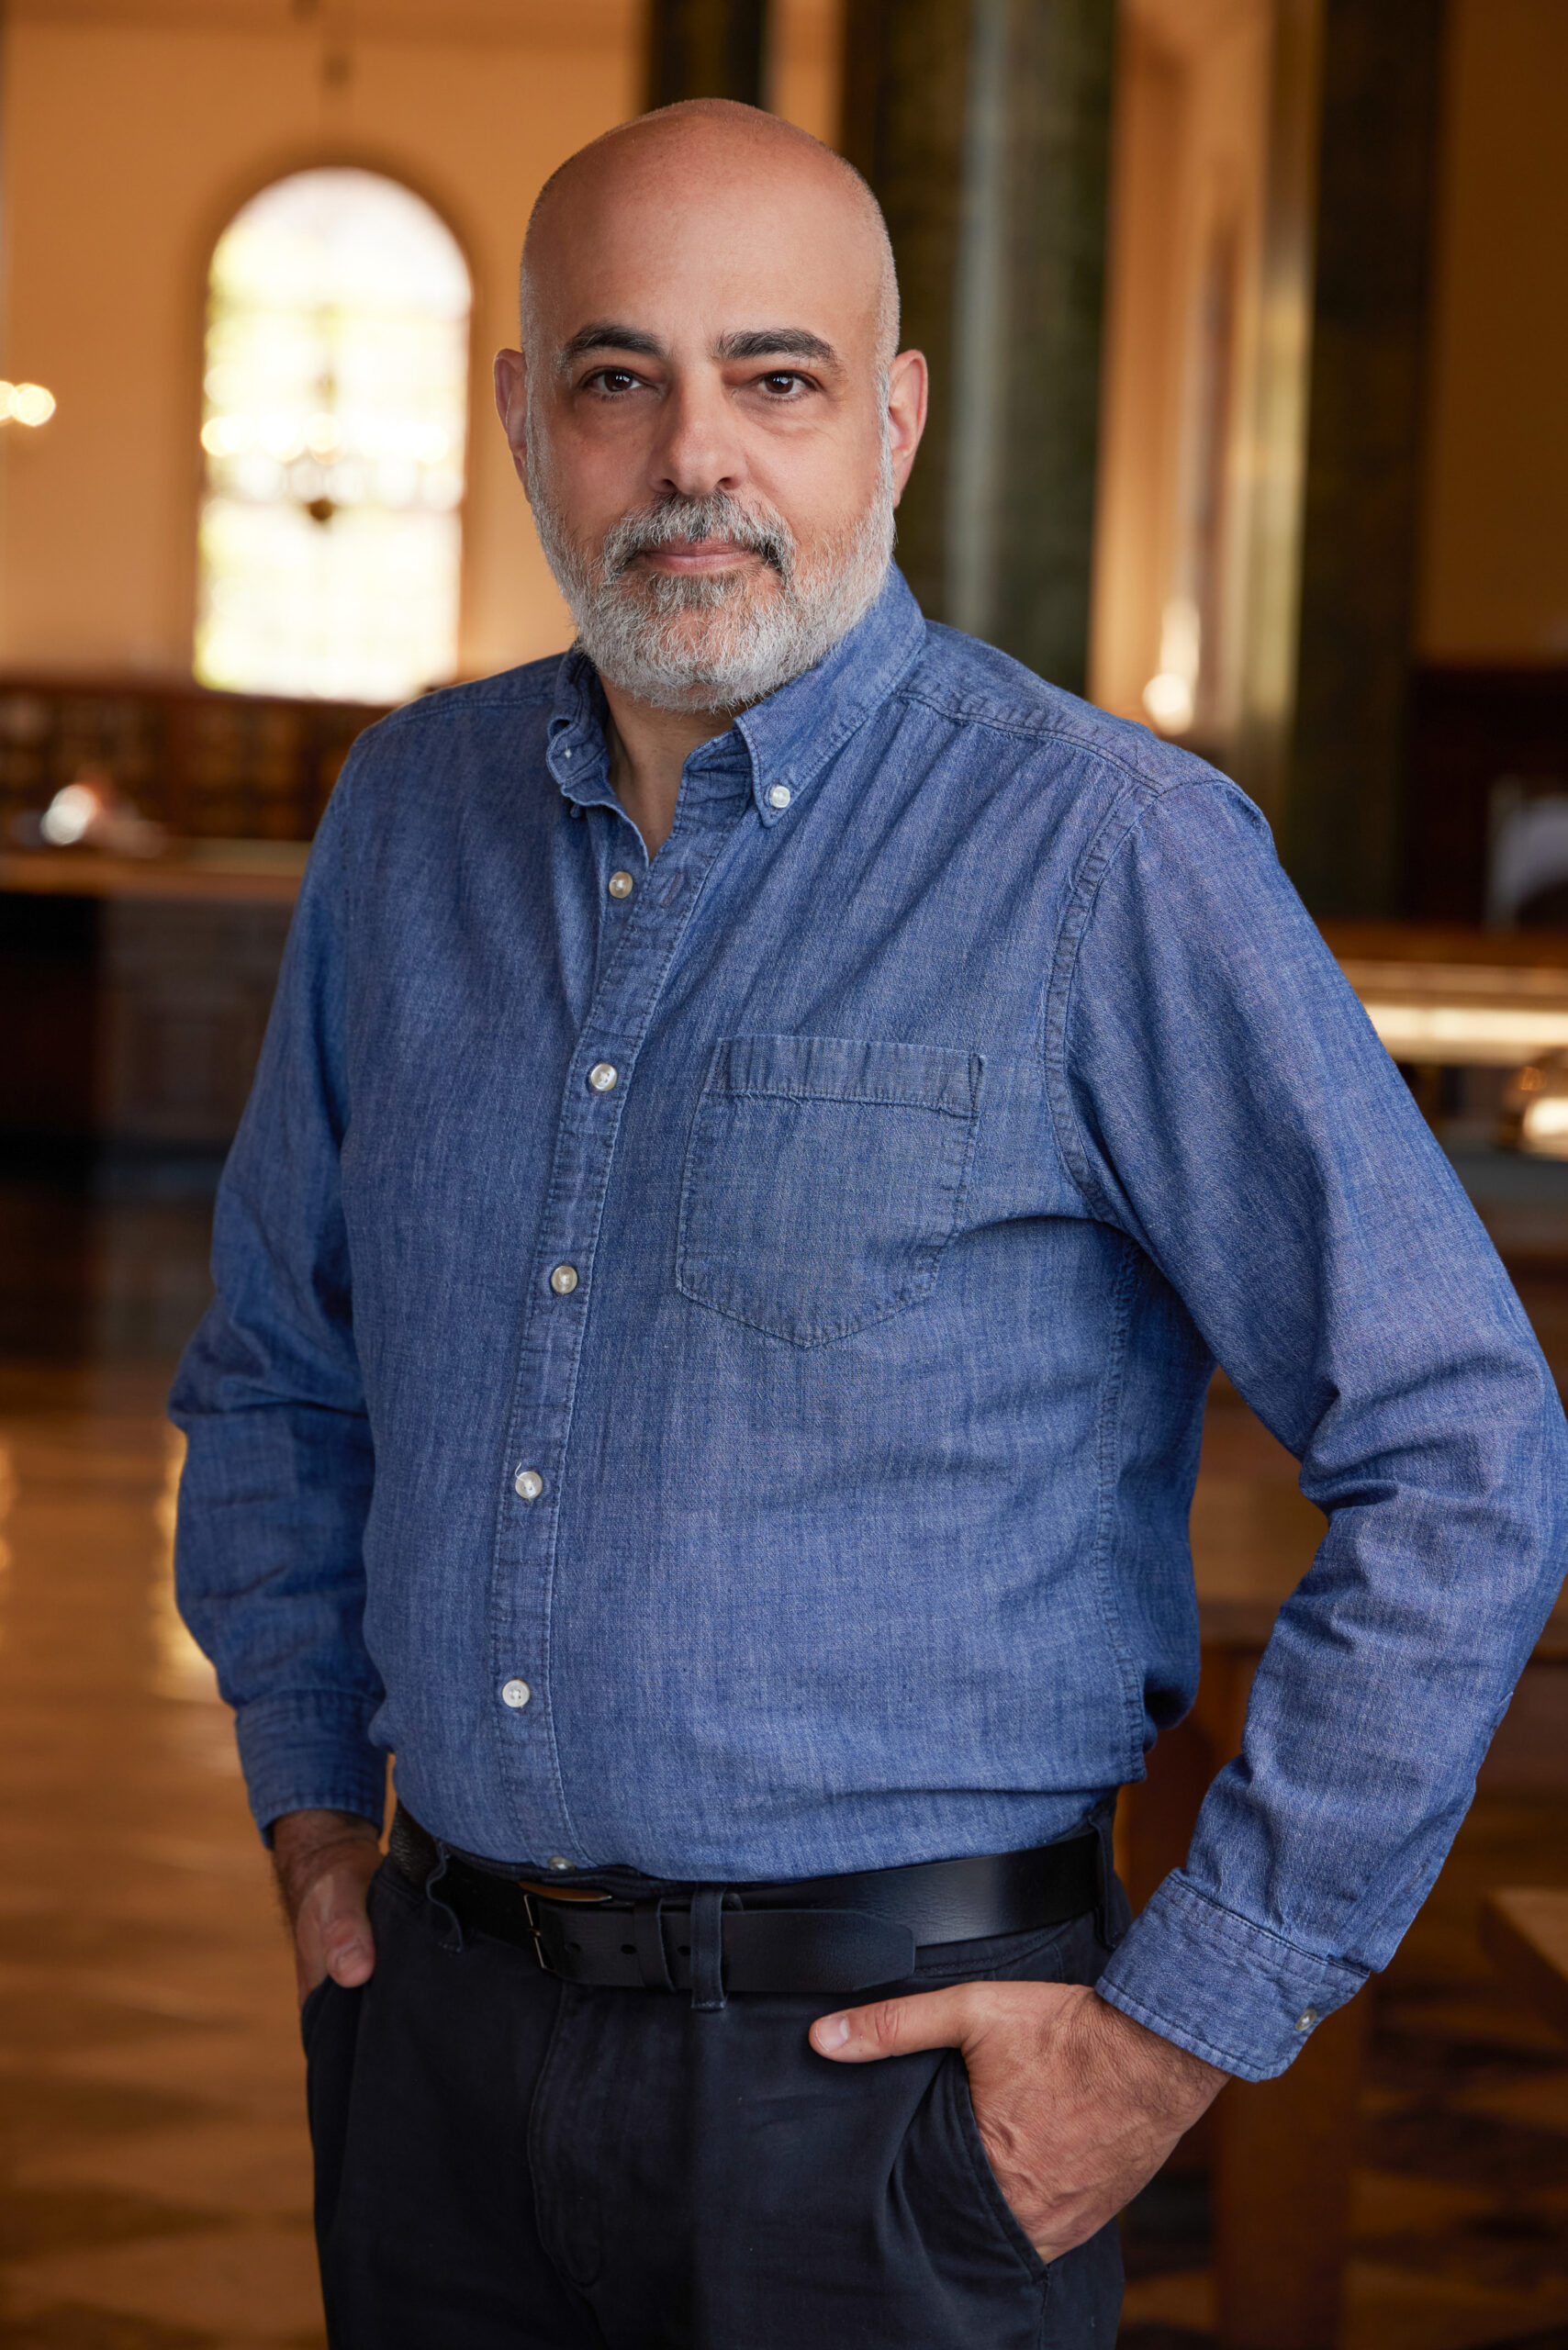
[(636, 626)]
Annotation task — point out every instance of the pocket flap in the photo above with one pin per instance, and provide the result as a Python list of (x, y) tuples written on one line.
[(839, 1068)]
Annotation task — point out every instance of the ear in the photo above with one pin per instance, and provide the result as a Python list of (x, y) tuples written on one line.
[(908, 390), (512, 407)]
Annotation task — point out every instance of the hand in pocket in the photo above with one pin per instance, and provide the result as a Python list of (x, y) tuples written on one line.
[(1077, 2105)]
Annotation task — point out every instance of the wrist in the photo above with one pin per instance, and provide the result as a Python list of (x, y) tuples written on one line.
[(306, 1843), (1169, 2077)]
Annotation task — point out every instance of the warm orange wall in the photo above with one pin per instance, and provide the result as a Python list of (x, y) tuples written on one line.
[(1495, 567), (132, 130), (126, 147)]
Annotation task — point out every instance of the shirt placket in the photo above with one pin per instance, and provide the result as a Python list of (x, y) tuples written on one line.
[(600, 1073)]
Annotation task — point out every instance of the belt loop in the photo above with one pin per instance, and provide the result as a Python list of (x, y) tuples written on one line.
[(708, 1947), (452, 1937), (648, 1932)]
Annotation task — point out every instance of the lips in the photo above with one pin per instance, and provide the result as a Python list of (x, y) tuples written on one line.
[(698, 550)]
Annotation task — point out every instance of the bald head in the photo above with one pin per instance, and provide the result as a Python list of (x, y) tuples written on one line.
[(709, 412), (712, 163)]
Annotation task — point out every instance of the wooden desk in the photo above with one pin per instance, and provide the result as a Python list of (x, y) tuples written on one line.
[(1461, 997), (209, 873), (1525, 1934), (139, 990)]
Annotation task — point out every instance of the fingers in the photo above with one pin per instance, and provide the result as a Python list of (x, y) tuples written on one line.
[(943, 2019)]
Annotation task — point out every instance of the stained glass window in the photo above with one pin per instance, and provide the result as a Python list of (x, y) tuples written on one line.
[(333, 424)]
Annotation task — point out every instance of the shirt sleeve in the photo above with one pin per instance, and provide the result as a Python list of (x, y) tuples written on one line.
[(278, 1467), (1221, 1097)]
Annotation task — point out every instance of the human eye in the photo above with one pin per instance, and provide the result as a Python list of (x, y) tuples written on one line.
[(785, 384), (612, 382)]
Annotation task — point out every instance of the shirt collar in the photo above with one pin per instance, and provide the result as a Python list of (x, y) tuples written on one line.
[(787, 740)]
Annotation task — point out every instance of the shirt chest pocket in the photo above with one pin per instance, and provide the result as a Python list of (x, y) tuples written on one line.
[(823, 1180)]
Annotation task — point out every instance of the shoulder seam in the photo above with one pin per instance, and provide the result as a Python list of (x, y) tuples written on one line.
[(1023, 730)]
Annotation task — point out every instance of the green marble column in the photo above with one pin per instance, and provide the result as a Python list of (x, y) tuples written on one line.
[(1340, 836), (984, 127), (705, 49)]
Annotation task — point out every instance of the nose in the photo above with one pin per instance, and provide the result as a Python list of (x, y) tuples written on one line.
[(698, 447)]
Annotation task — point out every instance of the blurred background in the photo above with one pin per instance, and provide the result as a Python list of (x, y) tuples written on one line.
[(1249, 334)]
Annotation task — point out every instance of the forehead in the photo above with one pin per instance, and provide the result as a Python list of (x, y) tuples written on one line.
[(691, 264)]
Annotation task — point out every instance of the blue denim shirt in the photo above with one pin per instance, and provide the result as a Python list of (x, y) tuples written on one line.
[(959, 1082)]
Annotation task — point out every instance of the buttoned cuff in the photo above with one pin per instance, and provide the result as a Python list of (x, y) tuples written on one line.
[(310, 1751), (1219, 1985)]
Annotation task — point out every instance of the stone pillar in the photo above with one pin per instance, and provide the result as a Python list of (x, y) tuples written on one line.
[(984, 127), (1340, 836), (705, 49)]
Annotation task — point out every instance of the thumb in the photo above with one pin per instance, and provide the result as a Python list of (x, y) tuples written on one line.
[(897, 2027), (349, 1948), (333, 1934)]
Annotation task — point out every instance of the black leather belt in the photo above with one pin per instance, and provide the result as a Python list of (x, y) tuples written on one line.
[(822, 1934)]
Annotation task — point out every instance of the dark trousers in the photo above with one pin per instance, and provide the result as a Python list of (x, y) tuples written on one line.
[(505, 2160)]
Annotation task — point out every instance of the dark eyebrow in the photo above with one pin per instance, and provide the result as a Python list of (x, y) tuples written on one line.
[(752, 342), (783, 343), (606, 334)]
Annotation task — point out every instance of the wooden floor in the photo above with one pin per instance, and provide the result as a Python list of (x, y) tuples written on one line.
[(156, 2188), (155, 2185)]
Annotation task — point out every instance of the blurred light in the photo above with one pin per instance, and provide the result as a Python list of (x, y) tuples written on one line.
[(68, 816), (1534, 1113), (1169, 701), (26, 404), (226, 436), (1545, 1127), (321, 435), (1170, 695), (1414, 1032), (282, 439)]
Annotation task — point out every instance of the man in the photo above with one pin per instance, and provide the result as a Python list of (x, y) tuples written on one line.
[(767, 1124)]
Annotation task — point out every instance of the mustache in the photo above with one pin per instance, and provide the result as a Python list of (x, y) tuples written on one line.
[(717, 516)]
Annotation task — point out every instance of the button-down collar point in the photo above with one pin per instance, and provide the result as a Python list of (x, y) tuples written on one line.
[(603, 1076), (528, 1484), (515, 1693), (779, 795)]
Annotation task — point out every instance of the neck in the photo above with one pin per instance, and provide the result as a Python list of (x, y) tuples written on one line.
[(649, 749)]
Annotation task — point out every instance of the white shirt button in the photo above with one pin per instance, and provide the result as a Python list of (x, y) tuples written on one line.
[(603, 1076), (558, 1865), (515, 1693), (1306, 2018), (528, 1484), (779, 796), (621, 885), (564, 1280)]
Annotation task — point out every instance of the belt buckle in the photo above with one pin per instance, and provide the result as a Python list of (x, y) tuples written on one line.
[(531, 1912), (532, 1895)]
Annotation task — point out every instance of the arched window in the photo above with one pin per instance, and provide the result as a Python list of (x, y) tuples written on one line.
[(336, 397)]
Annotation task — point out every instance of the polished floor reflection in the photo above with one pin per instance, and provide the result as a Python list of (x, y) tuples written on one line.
[(153, 2165), (156, 2186)]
